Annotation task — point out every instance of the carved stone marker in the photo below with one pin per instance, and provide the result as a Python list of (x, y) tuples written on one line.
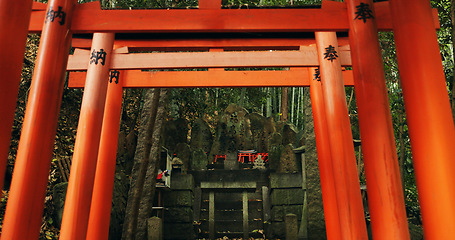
[(291, 226)]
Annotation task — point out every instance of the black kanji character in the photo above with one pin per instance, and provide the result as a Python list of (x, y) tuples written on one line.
[(363, 12), (114, 74), (51, 15), (96, 56), (317, 75), (330, 53)]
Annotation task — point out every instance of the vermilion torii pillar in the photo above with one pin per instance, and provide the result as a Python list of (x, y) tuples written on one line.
[(80, 185), (14, 20), (347, 187), (385, 191), (429, 116), (325, 162), (100, 210), (25, 206)]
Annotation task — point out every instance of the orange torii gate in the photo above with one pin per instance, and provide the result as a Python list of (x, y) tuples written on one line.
[(427, 105)]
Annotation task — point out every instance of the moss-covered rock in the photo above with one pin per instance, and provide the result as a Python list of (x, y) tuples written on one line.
[(201, 136), (178, 198)]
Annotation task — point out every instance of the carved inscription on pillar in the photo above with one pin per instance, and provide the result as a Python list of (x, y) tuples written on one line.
[(114, 75), (98, 56), (330, 53), (363, 12), (51, 15)]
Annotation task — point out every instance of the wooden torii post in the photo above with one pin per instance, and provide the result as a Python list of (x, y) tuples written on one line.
[(31, 171), (429, 116), (135, 78), (375, 123), (98, 227), (14, 22), (80, 184), (32, 163)]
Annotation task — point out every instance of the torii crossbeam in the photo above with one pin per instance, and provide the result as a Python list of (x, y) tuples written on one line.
[(89, 18)]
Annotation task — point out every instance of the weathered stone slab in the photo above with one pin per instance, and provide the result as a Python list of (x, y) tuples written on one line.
[(183, 152), (278, 230), (154, 228), (197, 204), (292, 227), (274, 156), (288, 160), (279, 212), (182, 182), (178, 214), (286, 180), (228, 184), (178, 198), (289, 134), (266, 203), (231, 162), (233, 131), (261, 129), (201, 136), (287, 196), (198, 159)]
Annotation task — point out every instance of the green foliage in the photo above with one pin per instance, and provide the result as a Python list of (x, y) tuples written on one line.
[(445, 36), (134, 4), (257, 3), (149, 3), (193, 103)]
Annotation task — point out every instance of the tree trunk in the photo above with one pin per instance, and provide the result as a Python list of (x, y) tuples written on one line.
[(274, 104), (284, 104), (141, 162), (278, 99), (242, 97), (269, 102), (148, 193), (297, 115), (292, 104)]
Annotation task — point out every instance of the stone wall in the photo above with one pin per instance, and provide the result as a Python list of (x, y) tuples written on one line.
[(286, 197), (178, 204)]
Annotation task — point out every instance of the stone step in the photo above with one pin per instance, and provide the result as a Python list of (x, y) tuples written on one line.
[(233, 205), (236, 214), (231, 235), (231, 196), (226, 204), (231, 226)]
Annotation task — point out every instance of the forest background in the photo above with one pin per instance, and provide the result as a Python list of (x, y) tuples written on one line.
[(207, 103)]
